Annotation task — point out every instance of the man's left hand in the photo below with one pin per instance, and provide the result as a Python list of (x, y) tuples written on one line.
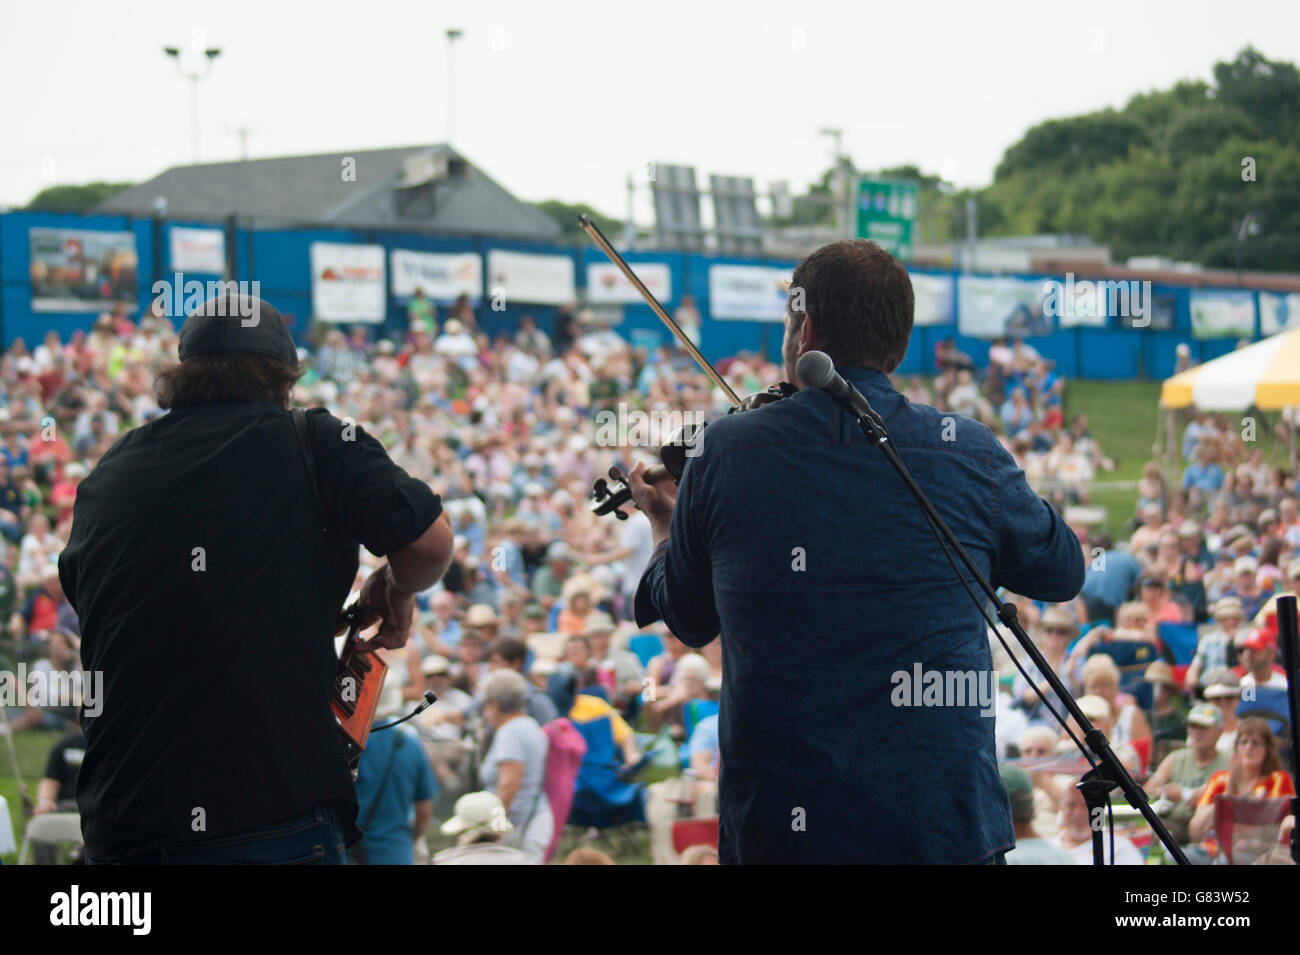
[(655, 500)]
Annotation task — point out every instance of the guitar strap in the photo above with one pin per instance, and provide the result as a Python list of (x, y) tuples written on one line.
[(301, 432)]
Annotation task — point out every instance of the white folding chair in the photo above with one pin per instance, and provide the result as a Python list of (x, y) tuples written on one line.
[(51, 827)]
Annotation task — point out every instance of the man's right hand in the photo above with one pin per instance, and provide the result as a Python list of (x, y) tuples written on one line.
[(394, 609)]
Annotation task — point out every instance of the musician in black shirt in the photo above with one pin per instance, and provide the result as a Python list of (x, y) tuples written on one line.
[(208, 588)]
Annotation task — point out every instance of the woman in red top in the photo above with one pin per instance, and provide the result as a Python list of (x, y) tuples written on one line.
[(1256, 771)]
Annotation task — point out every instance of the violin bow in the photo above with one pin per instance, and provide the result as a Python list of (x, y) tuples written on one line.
[(598, 237)]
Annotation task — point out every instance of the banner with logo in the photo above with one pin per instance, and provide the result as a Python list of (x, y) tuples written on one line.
[(1228, 314), (1278, 312), (198, 250), (442, 276), (607, 285), (755, 292), (530, 277), (990, 307), (80, 270), (934, 296), (347, 282)]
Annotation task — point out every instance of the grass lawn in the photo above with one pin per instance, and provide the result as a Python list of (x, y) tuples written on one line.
[(33, 748), (1122, 416)]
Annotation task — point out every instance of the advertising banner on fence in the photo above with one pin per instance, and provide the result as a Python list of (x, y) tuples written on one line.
[(607, 285), (993, 307), (79, 270), (443, 276), (1222, 314), (347, 282), (756, 292), (198, 250), (1278, 312), (530, 277), (934, 298)]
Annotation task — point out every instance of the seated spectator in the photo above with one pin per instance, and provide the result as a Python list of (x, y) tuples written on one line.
[(1216, 647), (573, 618), (1223, 691), (1258, 667), (1056, 628), (1016, 413), (1030, 848), (479, 823), (57, 790), (1109, 576), (1255, 770), (1180, 779), (1075, 835), (1205, 475), (1101, 678), (1168, 704), (1246, 587), (689, 682), (1133, 625), (1290, 587), (442, 726)]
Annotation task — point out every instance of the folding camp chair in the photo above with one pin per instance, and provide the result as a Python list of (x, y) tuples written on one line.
[(53, 828), (1246, 828)]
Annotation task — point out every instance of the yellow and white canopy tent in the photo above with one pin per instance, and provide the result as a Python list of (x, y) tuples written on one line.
[(1265, 375)]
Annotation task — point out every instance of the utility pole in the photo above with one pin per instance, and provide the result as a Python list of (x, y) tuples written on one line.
[(839, 184)]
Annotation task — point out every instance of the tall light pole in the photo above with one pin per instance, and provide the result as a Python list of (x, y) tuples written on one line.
[(843, 220), (210, 54), (452, 36)]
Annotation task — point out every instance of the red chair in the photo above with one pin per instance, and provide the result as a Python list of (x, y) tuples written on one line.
[(701, 831), (1143, 748), (1246, 828)]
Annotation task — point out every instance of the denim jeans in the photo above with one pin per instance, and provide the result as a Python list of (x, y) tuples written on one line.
[(313, 838)]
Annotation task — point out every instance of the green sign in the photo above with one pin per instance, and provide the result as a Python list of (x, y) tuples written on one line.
[(887, 214)]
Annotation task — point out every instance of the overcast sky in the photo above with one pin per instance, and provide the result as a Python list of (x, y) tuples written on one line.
[(560, 99)]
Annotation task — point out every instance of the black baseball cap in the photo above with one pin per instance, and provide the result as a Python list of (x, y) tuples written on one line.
[(238, 323)]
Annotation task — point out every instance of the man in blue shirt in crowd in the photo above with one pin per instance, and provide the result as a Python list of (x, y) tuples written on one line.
[(395, 792), (791, 535), (1109, 578)]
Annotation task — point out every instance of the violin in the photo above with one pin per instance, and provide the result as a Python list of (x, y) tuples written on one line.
[(609, 498)]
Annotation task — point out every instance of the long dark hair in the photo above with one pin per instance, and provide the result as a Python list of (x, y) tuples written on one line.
[(1258, 726), (204, 379)]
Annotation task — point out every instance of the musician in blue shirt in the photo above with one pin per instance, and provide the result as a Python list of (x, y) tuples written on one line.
[(792, 536)]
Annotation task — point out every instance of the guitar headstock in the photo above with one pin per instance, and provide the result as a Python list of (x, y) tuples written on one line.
[(609, 498)]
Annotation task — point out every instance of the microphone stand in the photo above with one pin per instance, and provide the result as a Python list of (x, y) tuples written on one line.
[(1099, 780)]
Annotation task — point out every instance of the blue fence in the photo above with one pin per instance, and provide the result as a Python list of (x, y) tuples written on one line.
[(279, 260)]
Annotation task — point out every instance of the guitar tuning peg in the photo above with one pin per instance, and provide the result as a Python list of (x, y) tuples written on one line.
[(620, 515), (600, 490)]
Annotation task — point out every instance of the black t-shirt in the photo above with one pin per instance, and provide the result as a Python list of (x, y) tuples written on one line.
[(207, 594), (64, 762)]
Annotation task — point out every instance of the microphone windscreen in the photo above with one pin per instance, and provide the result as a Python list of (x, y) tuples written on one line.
[(815, 369)]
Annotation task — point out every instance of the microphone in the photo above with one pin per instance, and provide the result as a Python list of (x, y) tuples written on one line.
[(816, 370)]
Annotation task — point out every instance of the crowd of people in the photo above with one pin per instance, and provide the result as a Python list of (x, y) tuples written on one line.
[(1172, 650), (533, 620)]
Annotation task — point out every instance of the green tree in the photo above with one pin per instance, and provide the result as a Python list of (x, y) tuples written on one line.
[(566, 215), (1266, 91), (80, 199)]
